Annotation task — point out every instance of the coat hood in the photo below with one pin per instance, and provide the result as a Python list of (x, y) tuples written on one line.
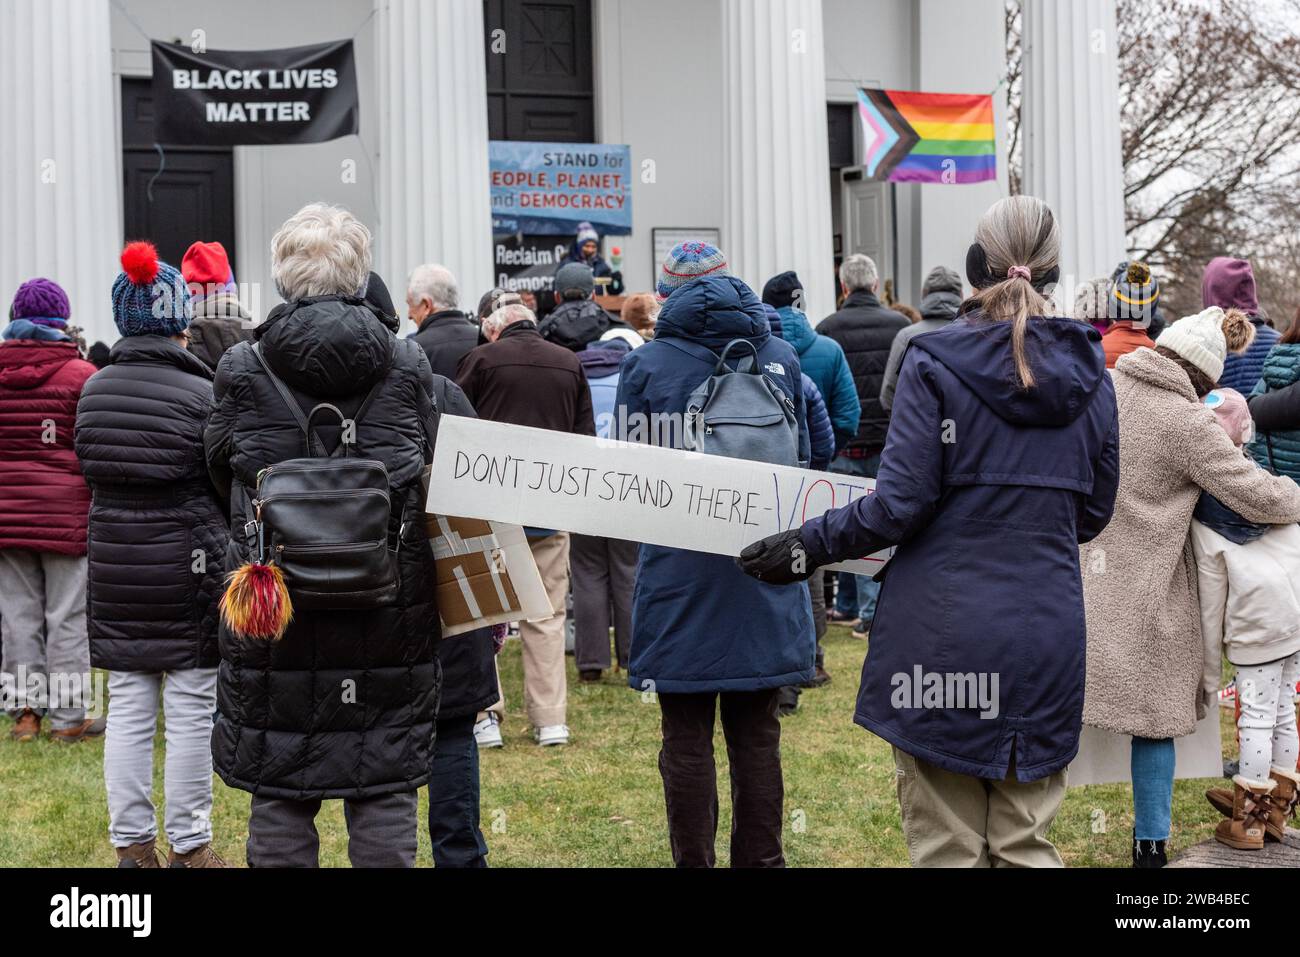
[(940, 305), (796, 330), (223, 305), (29, 363), (1064, 354), (713, 311), (602, 359), (575, 323), (1154, 369), (158, 349), (330, 346)]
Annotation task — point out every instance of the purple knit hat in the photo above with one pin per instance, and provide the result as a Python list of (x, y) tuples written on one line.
[(43, 302)]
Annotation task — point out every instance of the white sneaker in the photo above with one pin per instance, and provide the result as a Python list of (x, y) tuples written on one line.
[(553, 734), (487, 733)]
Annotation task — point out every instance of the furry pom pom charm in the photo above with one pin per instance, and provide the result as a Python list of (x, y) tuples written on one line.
[(256, 602), (1238, 330), (140, 262)]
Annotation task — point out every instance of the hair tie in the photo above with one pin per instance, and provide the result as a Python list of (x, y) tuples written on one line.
[(1021, 271)]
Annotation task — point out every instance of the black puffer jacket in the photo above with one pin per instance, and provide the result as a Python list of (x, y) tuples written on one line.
[(445, 337), (157, 541), (865, 331), (344, 704)]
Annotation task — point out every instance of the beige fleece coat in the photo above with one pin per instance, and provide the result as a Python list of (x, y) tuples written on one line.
[(1145, 651)]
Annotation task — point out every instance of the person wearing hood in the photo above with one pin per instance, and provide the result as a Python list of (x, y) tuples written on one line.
[(44, 504), (220, 319), (941, 297), (577, 320), (1276, 445), (1133, 306), (820, 357), (1144, 622), (1230, 284), (603, 569), (469, 677), (444, 332), (704, 637), (157, 548), (1002, 456), (586, 251), (341, 706)]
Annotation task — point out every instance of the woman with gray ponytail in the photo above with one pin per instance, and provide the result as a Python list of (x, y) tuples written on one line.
[(1002, 457)]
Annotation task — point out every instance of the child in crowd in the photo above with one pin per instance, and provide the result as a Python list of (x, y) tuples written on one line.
[(1250, 612)]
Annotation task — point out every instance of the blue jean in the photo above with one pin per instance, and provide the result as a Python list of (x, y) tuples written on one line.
[(454, 829), (857, 593), (1152, 769)]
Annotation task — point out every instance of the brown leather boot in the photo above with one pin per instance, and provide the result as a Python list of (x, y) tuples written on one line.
[(1250, 809), (1281, 803), (144, 854), (27, 727), (202, 856), (90, 728)]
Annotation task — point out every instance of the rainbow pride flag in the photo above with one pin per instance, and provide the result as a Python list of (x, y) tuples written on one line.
[(928, 137)]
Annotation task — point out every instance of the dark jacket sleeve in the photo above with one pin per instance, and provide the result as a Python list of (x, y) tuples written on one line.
[(1100, 505), (908, 485), (1276, 411), (821, 435), (584, 418), (467, 376), (218, 434)]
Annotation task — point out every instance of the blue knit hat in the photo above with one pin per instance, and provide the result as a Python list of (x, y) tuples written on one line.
[(150, 298), (687, 262)]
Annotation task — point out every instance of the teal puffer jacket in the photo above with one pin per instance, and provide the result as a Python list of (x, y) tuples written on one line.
[(1279, 452)]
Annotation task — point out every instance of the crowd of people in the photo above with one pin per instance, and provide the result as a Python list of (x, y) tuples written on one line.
[(1129, 485)]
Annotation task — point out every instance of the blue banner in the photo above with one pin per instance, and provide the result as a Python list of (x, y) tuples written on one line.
[(549, 188)]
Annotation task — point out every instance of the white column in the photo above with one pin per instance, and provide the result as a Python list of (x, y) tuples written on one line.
[(59, 166), (435, 202), (1071, 129), (775, 155)]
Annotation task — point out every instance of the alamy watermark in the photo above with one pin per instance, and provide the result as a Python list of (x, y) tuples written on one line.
[(934, 690)]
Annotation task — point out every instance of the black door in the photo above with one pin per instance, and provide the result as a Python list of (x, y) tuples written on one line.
[(191, 199), (540, 88)]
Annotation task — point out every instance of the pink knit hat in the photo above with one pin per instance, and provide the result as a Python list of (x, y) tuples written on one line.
[(1230, 408)]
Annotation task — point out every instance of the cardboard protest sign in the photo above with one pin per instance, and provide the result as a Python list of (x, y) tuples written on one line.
[(641, 493), (1104, 757), (485, 574)]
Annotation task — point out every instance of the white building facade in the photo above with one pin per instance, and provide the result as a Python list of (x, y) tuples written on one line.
[(740, 115)]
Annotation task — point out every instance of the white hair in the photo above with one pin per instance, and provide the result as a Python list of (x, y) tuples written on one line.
[(859, 272), (435, 283), (321, 250), (507, 315)]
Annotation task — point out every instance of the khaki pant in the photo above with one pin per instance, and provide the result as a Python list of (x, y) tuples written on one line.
[(545, 687), (955, 820)]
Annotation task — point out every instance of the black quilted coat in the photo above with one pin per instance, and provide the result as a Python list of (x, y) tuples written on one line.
[(157, 539), (343, 706)]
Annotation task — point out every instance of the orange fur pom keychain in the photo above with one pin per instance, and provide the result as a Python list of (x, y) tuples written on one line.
[(256, 601)]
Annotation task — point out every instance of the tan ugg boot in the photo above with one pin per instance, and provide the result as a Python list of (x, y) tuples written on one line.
[(144, 854), (1282, 802), (1250, 809)]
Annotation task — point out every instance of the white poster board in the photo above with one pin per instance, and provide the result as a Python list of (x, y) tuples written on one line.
[(641, 493), (664, 238), (1104, 757)]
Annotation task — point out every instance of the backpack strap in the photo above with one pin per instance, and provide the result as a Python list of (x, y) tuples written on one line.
[(304, 421)]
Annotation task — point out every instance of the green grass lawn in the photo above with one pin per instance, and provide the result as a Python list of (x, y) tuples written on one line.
[(599, 801)]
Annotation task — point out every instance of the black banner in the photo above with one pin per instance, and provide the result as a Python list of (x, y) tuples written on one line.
[(254, 97)]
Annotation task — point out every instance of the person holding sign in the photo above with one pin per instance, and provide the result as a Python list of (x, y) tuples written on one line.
[(704, 636), (1002, 456)]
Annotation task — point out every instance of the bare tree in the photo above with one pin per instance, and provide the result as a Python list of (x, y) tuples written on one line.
[(1210, 136)]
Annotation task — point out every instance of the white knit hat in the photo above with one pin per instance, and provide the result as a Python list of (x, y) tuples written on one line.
[(1199, 339)]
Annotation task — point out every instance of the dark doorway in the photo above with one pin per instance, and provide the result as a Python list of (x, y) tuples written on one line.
[(540, 88), (194, 196)]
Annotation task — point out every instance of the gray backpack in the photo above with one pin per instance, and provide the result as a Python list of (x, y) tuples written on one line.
[(742, 414)]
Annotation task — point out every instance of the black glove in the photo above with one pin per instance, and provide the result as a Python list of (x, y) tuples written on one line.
[(778, 559)]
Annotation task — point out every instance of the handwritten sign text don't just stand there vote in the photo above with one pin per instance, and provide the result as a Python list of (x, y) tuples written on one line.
[(642, 493)]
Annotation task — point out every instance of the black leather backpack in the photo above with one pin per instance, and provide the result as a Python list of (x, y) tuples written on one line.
[(323, 519)]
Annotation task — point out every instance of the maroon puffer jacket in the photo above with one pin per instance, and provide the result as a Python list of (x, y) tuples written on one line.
[(44, 501)]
